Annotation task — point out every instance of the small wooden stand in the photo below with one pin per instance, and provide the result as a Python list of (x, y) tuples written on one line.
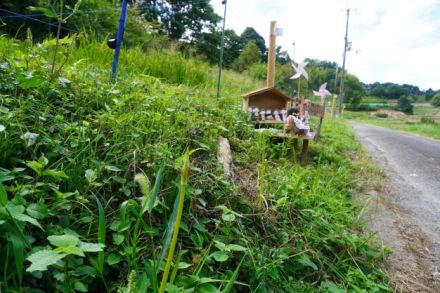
[(269, 98), (305, 145)]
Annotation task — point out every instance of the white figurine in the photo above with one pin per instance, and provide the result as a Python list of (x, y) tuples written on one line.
[(269, 114), (284, 114), (255, 112), (250, 112), (276, 113)]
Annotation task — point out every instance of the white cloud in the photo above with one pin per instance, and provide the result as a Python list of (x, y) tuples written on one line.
[(393, 40)]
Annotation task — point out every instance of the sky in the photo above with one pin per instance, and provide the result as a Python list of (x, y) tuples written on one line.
[(392, 40)]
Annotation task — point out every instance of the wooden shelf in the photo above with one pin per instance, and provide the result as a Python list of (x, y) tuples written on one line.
[(269, 122), (309, 136)]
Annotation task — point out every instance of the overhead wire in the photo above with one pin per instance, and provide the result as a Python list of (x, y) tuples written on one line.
[(32, 17), (24, 16)]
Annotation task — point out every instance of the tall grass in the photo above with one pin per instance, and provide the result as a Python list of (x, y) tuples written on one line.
[(93, 138)]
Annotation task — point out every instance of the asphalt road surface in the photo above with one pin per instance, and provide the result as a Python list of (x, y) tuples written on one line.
[(412, 165)]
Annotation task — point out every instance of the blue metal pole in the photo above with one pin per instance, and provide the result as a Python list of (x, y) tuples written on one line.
[(119, 38)]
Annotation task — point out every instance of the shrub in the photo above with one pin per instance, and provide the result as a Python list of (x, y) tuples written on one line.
[(404, 105), (435, 101), (381, 115), (427, 120)]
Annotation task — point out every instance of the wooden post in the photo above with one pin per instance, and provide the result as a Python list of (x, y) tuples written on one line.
[(271, 56), (318, 130), (304, 152), (333, 106), (295, 144)]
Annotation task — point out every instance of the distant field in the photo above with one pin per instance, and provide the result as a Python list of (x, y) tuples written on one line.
[(369, 99), (399, 121), (425, 109)]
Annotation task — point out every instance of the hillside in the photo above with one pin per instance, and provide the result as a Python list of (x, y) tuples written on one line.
[(89, 183)]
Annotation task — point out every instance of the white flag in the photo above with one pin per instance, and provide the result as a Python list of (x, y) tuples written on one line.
[(278, 32)]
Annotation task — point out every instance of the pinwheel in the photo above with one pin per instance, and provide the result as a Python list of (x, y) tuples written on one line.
[(322, 92), (300, 71)]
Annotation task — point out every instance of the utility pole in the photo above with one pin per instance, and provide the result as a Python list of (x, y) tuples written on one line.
[(341, 89), (334, 95), (222, 47)]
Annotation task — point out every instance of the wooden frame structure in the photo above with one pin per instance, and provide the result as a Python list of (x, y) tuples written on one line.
[(271, 100), (266, 98)]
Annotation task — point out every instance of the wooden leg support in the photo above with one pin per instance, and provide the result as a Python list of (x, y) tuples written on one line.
[(295, 144), (295, 149), (304, 152)]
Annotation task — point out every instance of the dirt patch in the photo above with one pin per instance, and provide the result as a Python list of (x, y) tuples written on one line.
[(390, 114), (411, 264), (248, 182)]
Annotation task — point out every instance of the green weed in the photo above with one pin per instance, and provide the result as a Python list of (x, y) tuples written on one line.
[(77, 155)]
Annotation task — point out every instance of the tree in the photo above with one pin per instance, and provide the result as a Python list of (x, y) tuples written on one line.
[(251, 35), (208, 45), (429, 94), (180, 19), (17, 25), (282, 57), (250, 55), (404, 105), (435, 101), (354, 91)]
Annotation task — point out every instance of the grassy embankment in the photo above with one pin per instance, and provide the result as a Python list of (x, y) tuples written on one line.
[(89, 183)]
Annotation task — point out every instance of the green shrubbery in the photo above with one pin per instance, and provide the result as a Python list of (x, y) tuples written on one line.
[(381, 115), (404, 105), (435, 101), (89, 175)]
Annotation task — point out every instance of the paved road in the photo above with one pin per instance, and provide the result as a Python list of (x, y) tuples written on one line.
[(407, 214), (413, 165)]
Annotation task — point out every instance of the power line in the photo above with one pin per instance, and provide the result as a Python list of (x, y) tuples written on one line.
[(36, 20), (180, 4), (64, 13)]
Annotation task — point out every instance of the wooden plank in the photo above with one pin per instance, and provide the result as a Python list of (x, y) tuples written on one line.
[(269, 122), (245, 103), (316, 110), (310, 136)]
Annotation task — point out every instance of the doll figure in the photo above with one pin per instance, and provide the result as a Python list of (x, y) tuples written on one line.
[(304, 113), (276, 114), (289, 127), (283, 113), (294, 124), (269, 114), (250, 112), (255, 113)]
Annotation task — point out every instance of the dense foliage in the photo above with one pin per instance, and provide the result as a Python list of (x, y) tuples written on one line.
[(435, 101), (89, 178), (390, 90), (404, 105), (180, 19), (151, 24)]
